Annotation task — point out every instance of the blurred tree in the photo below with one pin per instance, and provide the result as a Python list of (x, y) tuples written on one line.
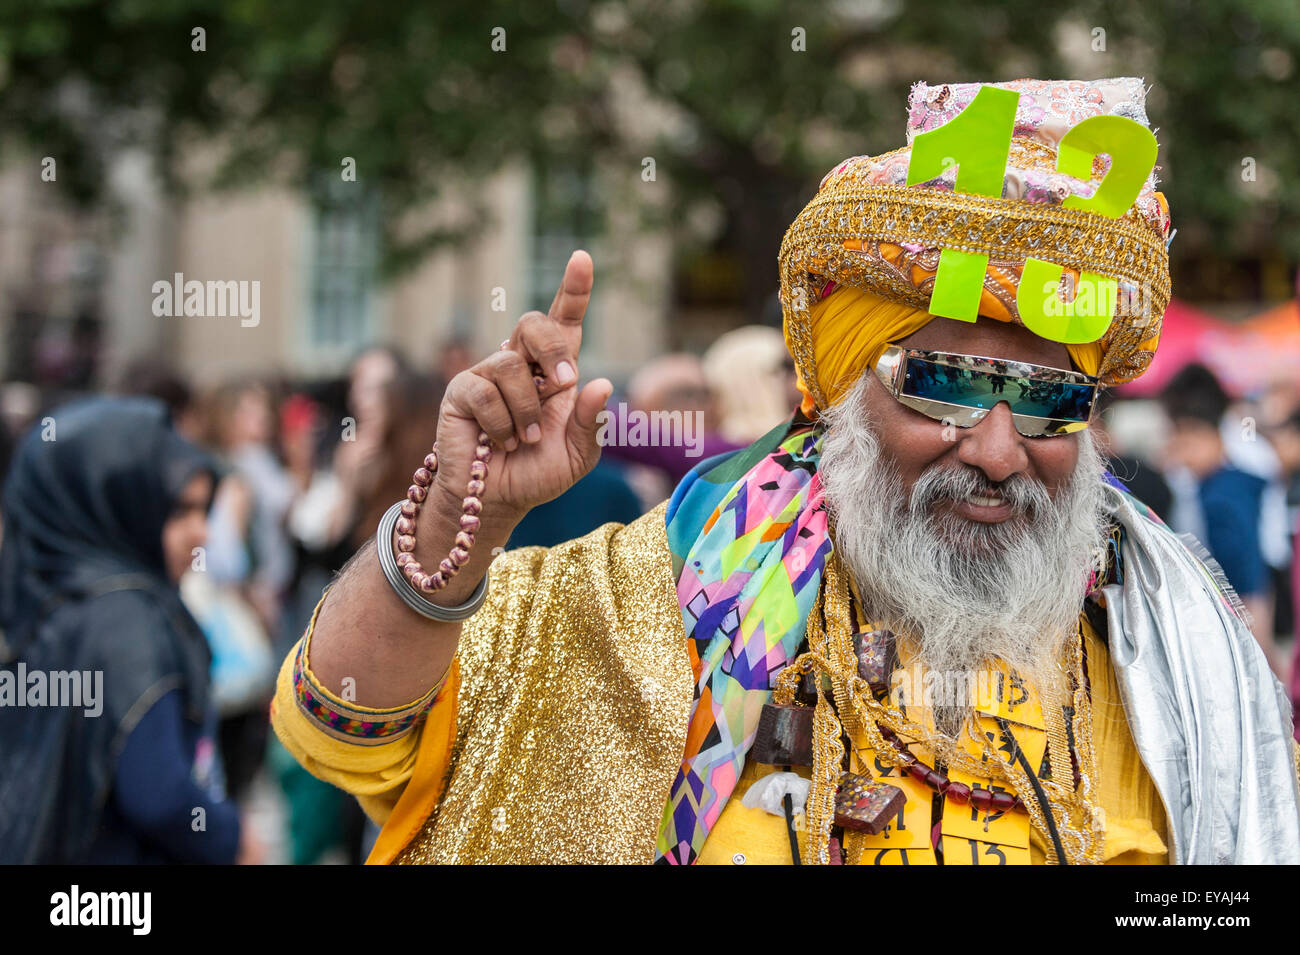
[(741, 104), (1227, 107)]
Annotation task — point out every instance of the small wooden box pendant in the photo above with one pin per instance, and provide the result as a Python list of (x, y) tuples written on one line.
[(865, 805), (874, 650)]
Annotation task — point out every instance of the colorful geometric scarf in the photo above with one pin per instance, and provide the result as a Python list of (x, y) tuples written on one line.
[(749, 539)]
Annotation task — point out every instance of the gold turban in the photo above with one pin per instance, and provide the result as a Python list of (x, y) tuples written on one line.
[(859, 262)]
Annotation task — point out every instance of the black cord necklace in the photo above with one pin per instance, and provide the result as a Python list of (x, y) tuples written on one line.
[(1038, 791), (788, 803)]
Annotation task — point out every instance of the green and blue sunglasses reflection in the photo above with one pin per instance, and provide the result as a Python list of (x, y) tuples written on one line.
[(962, 389)]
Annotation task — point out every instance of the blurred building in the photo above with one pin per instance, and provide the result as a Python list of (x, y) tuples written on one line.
[(78, 288)]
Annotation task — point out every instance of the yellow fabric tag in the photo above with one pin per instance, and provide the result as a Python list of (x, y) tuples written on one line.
[(1002, 828), (863, 756), (924, 856), (1033, 742), (958, 851), (912, 830), (1008, 695)]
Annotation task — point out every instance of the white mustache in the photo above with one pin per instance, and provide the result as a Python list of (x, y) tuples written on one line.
[(1024, 494)]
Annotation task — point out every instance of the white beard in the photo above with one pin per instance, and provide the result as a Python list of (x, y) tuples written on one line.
[(964, 593)]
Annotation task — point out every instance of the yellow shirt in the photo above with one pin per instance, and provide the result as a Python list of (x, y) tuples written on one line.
[(1134, 814)]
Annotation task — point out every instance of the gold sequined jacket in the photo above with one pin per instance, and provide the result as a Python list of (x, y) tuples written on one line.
[(571, 695)]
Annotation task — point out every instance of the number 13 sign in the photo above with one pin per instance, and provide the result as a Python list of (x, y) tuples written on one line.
[(978, 140)]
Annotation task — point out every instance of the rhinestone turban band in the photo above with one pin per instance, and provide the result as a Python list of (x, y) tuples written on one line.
[(868, 229)]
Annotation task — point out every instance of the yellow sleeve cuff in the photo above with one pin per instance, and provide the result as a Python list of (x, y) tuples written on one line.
[(375, 768)]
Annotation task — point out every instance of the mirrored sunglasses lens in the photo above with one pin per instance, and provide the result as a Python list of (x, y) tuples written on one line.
[(1030, 397)]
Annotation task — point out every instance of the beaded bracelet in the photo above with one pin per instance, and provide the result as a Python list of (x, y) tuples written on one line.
[(471, 508), (413, 598), (404, 516)]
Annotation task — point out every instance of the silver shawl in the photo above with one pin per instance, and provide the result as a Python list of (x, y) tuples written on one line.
[(1210, 720)]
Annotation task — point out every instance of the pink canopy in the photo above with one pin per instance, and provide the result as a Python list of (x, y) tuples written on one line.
[(1246, 356)]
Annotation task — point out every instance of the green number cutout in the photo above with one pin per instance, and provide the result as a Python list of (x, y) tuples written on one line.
[(1132, 149), (1085, 319), (978, 140)]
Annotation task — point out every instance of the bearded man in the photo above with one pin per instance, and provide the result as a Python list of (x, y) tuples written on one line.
[(917, 624)]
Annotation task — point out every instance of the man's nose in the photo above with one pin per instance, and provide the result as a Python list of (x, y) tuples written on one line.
[(994, 445)]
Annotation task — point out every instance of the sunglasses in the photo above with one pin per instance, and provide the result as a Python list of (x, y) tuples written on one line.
[(961, 389)]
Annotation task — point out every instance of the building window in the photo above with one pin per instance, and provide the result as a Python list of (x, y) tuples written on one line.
[(345, 255), (566, 216)]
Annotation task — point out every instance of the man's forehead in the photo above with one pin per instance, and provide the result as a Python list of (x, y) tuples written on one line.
[(989, 337)]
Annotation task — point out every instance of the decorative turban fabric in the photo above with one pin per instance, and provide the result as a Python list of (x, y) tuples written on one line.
[(867, 230)]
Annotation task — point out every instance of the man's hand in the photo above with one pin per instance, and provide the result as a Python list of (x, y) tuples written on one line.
[(545, 441), (544, 437)]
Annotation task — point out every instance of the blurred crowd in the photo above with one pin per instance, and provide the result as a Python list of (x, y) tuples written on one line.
[(306, 469)]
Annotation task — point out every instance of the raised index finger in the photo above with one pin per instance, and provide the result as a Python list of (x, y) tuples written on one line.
[(570, 303)]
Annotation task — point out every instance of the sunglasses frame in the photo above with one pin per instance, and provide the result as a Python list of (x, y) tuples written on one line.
[(891, 369)]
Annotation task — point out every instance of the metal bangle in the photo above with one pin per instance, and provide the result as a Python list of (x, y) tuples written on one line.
[(410, 596)]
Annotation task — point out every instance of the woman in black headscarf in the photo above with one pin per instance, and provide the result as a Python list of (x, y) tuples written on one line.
[(103, 508)]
